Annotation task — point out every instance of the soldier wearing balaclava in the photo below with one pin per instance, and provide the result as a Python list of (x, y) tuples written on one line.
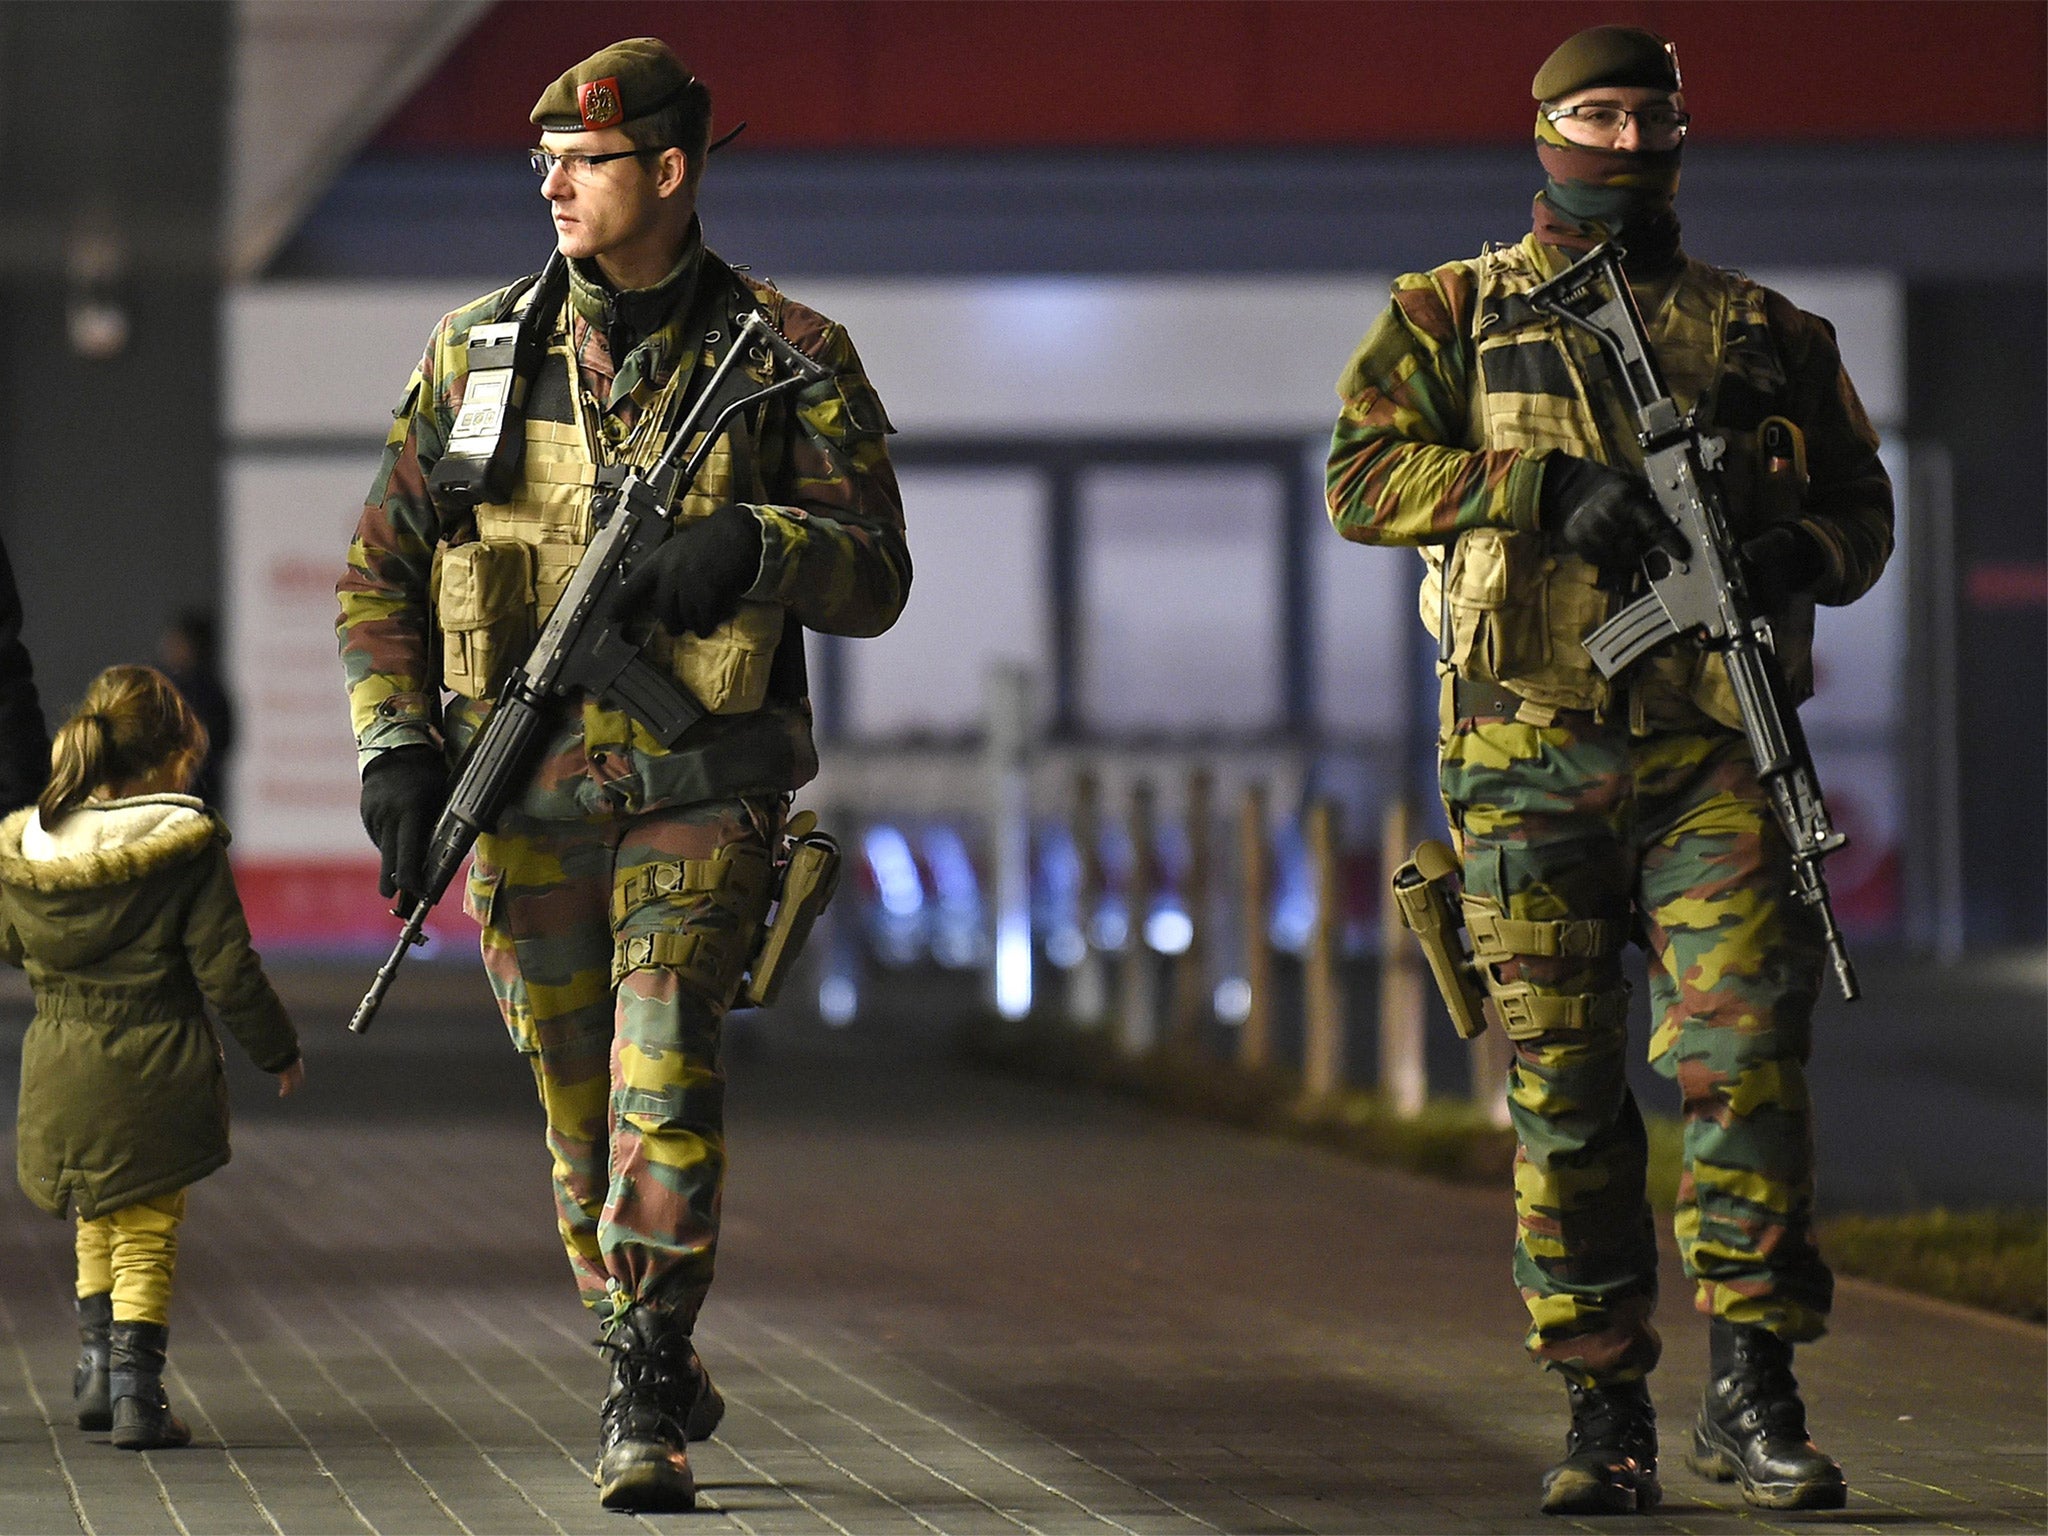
[(1590, 813)]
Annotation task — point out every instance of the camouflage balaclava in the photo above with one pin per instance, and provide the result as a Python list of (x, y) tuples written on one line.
[(1600, 194)]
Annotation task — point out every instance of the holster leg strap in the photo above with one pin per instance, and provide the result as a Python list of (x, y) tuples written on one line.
[(1496, 938), (1526, 1013)]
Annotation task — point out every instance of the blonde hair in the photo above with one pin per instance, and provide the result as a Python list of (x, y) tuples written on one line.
[(132, 722)]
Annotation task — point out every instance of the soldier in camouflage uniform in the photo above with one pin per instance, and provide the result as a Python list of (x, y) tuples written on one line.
[(1590, 814), (622, 894)]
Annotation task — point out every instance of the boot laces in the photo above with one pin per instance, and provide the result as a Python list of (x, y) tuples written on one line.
[(652, 1385)]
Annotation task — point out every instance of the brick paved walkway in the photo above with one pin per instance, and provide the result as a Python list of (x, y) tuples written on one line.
[(948, 1304)]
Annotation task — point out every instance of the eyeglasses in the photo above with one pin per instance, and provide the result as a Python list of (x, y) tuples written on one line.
[(1607, 120), (575, 167)]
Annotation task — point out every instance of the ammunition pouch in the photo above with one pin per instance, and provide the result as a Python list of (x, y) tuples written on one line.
[(1475, 698), (1426, 892), (483, 598), (728, 670), (809, 874)]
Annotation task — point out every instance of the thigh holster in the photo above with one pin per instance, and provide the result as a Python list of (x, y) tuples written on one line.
[(1526, 1009), (710, 915)]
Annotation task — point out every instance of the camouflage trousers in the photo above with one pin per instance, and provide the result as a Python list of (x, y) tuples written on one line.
[(615, 944), (1577, 837)]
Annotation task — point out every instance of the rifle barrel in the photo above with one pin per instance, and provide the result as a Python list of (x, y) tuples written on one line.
[(387, 973)]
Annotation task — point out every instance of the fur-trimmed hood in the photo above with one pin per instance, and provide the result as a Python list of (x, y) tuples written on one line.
[(104, 842), (126, 919), (79, 890)]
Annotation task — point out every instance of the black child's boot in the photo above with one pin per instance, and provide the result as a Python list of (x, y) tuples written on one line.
[(1752, 1426), (1610, 1460), (143, 1420), (89, 1381), (643, 1445)]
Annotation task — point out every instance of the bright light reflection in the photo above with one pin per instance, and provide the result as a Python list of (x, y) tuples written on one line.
[(1110, 928), (838, 1000), (1169, 931), (1065, 947), (895, 869), (1013, 967), (1233, 1000)]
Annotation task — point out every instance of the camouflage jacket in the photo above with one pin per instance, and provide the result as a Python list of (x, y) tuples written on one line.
[(833, 547), (1412, 462)]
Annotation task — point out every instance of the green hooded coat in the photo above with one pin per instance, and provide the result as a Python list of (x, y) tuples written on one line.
[(127, 922)]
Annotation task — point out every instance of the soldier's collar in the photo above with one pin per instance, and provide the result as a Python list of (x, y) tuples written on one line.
[(644, 310)]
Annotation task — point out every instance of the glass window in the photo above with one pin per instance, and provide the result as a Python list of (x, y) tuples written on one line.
[(978, 546), (1363, 611), (1180, 583)]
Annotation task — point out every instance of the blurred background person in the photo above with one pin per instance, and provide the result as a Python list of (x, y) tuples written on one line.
[(189, 652), (24, 738)]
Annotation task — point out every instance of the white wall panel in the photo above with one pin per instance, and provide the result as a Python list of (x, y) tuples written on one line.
[(978, 596), (1364, 601), (1009, 357), (980, 357), (1868, 312), (289, 522), (326, 359), (1180, 597), (1859, 652)]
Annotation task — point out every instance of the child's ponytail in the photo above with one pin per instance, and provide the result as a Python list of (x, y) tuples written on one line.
[(133, 720), (78, 760)]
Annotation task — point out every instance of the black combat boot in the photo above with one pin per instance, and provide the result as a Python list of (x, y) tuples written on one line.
[(643, 1439), (89, 1381), (1610, 1454), (1752, 1426), (707, 1405), (143, 1420)]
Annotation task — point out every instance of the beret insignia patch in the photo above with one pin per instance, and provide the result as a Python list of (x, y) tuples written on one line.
[(598, 102)]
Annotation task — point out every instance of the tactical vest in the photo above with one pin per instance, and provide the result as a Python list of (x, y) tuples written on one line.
[(1519, 604), (493, 593)]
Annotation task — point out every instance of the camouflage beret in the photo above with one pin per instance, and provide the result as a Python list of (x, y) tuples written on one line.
[(1608, 56), (612, 87)]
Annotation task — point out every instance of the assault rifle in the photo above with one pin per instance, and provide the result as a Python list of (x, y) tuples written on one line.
[(577, 649), (1703, 594)]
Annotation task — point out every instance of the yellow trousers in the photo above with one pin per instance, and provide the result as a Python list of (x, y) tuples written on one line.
[(133, 1252)]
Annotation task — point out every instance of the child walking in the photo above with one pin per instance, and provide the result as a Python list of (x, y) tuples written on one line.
[(115, 897)]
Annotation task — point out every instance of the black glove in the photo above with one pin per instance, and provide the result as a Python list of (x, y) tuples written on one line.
[(402, 794), (696, 577), (1604, 517), (1780, 561)]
